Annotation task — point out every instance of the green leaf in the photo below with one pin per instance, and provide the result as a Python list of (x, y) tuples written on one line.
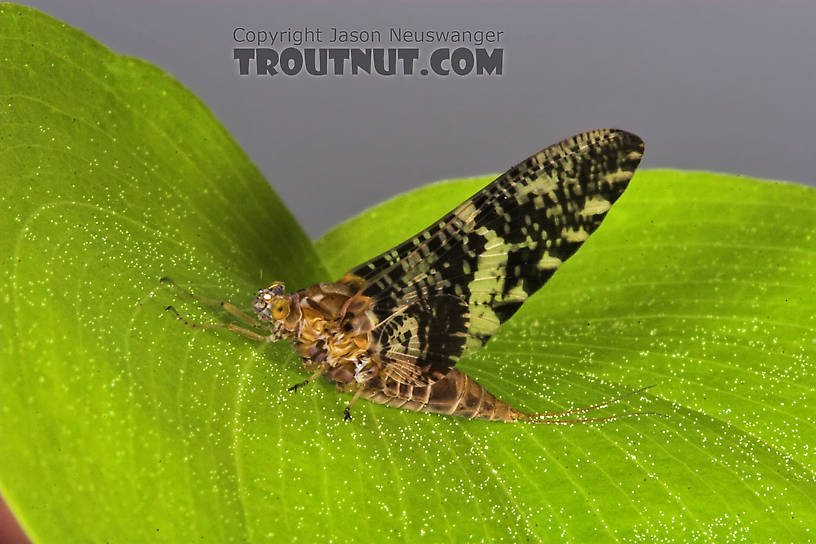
[(700, 284), (120, 424), (117, 422)]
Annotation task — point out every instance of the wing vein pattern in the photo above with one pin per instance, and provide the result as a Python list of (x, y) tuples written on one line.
[(443, 292)]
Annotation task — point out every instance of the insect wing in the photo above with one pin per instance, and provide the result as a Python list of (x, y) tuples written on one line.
[(494, 250), (422, 340)]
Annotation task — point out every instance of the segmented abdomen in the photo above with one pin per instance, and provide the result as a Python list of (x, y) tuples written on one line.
[(456, 394)]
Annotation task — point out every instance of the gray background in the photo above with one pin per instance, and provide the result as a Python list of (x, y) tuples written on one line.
[(725, 86)]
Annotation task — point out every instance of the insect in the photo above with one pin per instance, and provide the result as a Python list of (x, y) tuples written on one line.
[(392, 329)]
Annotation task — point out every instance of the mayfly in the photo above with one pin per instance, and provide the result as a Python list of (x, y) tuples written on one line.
[(392, 329)]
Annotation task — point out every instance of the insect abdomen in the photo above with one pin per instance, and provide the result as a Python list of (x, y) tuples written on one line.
[(456, 394)]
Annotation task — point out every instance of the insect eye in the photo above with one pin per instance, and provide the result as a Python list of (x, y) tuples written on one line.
[(280, 309), (277, 289)]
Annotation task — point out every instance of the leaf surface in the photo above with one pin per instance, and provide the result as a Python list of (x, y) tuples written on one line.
[(120, 424), (700, 284)]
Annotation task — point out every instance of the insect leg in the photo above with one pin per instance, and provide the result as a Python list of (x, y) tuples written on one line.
[(229, 326), (227, 306), (310, 379), (347, 409)]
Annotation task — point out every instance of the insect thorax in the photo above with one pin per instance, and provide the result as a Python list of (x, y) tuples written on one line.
[(334, 329)]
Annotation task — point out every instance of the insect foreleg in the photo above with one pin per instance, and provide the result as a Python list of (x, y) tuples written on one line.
[(229, 326), (227, 306)]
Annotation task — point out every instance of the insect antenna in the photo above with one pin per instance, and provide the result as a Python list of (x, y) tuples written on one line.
[(557, 417)]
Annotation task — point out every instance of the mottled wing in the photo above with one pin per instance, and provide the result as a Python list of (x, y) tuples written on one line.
[(418, 339), (496, 248)]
